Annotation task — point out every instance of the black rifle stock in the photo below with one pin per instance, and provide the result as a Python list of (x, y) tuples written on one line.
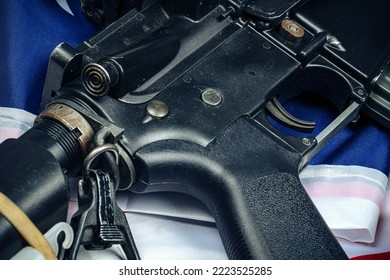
[(185, 91)]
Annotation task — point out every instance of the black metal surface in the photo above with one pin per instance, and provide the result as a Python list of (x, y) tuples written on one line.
[(362, 29), (248, 63), (226, 153), (378, 104), (103, 12), (99, 223), (269, 9)]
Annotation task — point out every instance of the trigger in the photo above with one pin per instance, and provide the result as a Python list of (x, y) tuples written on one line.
[(281, 115)]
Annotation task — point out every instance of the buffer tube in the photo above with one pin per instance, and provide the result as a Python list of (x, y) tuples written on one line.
[(35, 168)]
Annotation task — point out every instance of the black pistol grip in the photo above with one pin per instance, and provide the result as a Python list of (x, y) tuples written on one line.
[(286, 224), (250, 183)]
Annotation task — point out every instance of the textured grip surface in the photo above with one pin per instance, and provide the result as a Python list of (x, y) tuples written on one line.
[(286, 225), (251, 186)]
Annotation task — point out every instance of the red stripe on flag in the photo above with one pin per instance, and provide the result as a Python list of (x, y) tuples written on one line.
[(380, 256)]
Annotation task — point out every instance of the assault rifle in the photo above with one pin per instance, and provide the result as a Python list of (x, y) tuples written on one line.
[(178, 96)]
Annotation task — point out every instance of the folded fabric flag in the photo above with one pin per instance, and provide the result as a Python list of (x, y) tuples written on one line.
[(29, 31), (14, 122), (380, 248), (348, 197)]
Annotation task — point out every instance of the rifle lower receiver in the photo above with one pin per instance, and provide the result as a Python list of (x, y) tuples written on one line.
[(183, 89)]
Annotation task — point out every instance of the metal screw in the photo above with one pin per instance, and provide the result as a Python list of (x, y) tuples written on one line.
[(211, 97), (361, 92), (157, 109), (291, 30), (306, 141)]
